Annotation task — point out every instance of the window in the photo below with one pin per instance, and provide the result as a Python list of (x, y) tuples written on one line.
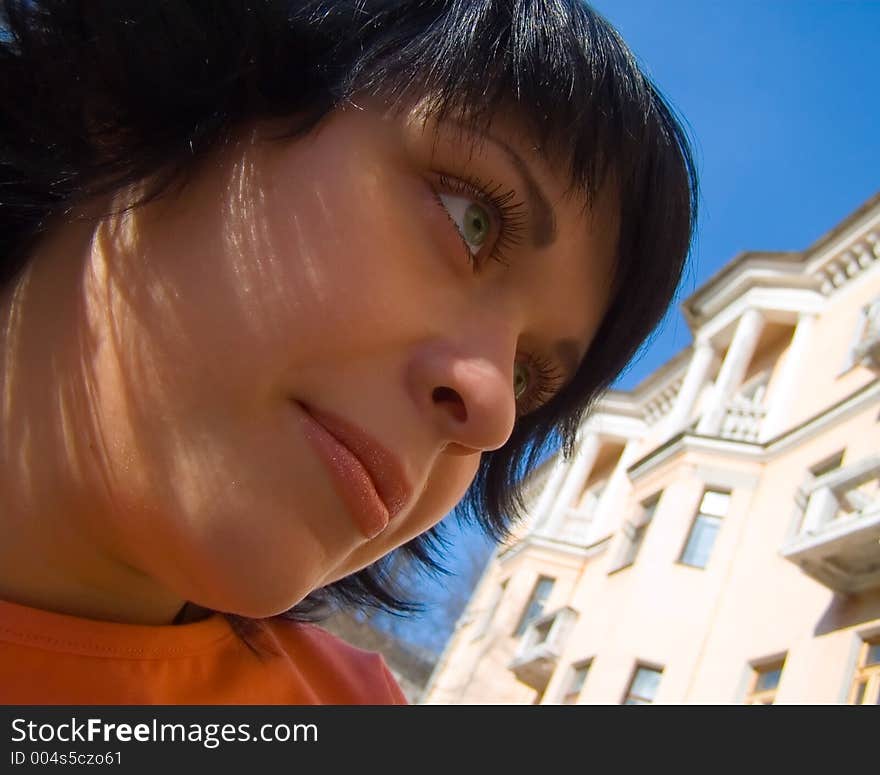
[(635, 532), (704, 530), (866, 686), (535, 606), (576, 680), (765, 680), (827, 465), (643, 686)]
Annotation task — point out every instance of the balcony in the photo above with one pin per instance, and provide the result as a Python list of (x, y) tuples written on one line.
[(541, 646), (742, 420), (839, 540), (575, 525), (867, 351), (867, 348)]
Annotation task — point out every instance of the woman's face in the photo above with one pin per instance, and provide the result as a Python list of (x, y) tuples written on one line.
[(371, 279)]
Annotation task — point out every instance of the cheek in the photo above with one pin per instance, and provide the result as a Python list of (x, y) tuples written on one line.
[(365, 265), (331, 238)]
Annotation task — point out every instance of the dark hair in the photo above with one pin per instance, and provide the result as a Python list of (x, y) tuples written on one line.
[(96, 94)]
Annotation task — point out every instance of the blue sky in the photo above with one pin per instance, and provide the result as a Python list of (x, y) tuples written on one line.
[(781, 98)]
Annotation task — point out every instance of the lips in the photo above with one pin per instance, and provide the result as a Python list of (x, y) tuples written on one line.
[(371, 478)]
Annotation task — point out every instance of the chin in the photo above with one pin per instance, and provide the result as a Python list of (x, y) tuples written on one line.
[(257, 606), (253, 593)]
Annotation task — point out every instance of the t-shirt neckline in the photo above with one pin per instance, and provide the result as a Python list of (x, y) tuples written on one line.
[(54, 631)]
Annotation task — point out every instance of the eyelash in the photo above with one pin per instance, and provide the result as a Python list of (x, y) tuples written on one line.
[(511, 216), (549, 380), (503, 202)]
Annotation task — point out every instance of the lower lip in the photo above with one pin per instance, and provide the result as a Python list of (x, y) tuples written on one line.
[(352, 481)]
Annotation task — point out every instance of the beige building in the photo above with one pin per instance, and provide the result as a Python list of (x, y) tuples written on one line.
[(716, 537)]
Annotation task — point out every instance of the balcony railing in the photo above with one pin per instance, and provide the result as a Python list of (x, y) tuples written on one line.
[(742, 420), (541, 646), (576, 526), (838, 543)]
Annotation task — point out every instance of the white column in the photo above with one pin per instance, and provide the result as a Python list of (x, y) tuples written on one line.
[(733, 369), (783, 389), (821, 509), (578, 473), (694, 379), (551, 488), (611, 502)]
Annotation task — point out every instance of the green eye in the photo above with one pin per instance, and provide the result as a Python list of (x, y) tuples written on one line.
[(473, 220), (520, 380), (475, 226)]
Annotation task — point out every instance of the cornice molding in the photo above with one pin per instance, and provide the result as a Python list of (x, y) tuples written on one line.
[(846, 251)]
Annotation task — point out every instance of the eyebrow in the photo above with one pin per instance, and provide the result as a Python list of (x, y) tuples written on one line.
[(543, 217)]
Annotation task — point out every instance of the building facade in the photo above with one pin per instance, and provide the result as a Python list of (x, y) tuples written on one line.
[(715, 538)]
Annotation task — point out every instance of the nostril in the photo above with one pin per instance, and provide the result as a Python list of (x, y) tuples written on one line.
[(445, 395)]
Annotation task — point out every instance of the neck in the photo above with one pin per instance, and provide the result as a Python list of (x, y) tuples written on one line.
[(58, 550)]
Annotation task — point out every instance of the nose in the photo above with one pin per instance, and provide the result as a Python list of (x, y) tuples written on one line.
[(465, 392)]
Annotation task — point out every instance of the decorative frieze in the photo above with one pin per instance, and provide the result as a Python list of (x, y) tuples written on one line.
[(849, 263)]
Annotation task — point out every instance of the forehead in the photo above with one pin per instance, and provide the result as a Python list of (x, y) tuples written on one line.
[(566, 155)]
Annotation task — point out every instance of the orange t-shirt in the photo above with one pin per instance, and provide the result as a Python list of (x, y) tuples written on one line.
[(48, 658)]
